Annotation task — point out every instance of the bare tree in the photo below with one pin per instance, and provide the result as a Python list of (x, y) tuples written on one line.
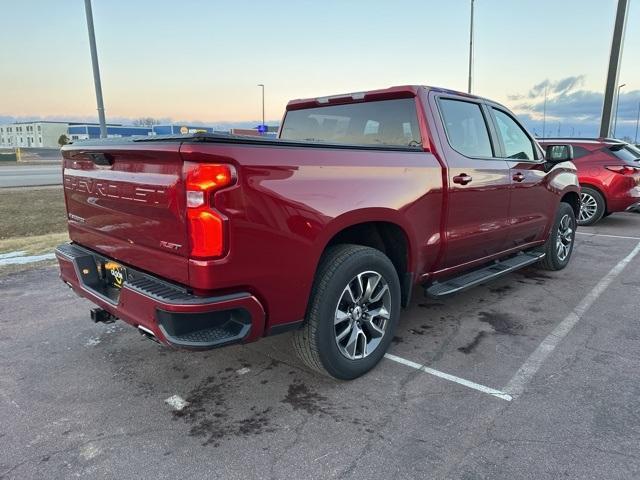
[(146, 122)]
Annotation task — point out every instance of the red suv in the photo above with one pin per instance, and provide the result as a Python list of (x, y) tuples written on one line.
[(609, 174)]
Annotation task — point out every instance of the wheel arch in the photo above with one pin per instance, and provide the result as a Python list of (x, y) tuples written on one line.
[(384, 230), (573, 199)]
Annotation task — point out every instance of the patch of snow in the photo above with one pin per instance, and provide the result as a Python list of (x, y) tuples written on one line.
[(242, 371), (176, 402), (89, 451), (12, 254), (21, 260), (93, 341)]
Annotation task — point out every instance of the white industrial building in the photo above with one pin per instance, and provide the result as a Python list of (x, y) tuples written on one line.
[(41, 134)]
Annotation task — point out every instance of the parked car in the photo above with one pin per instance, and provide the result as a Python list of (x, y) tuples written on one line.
[(609, 174), (204, 240)]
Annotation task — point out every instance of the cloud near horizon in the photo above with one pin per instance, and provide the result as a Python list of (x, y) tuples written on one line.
[(571, 109)]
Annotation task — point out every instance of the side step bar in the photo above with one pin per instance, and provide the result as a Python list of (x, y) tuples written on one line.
[(482, 275)]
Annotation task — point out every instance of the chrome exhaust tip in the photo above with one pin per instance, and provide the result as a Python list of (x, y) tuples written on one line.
[(145, 332)]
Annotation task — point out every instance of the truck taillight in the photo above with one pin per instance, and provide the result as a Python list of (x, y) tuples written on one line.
[(206, 224)]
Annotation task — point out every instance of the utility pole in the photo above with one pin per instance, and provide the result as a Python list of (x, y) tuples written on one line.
[(96, 68), (614, 67), (544, 114), (615, 118), (471, 51), (262, 86), (637, 122)]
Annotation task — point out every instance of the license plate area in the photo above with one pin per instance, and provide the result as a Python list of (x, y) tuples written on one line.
[(102, 275), (113, 274)]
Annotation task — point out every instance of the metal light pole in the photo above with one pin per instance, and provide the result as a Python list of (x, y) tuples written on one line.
[(96, 69), (614, 67), (544, 114), (262, 86), (470, 50), (615, 119), (637, 122)]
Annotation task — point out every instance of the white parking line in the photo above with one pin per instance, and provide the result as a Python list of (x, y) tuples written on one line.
[(451, 378), (609, 236), (530, 367)]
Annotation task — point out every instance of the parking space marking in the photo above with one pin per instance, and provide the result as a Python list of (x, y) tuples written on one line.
[(451, 378), (531, 366), (609, 236)]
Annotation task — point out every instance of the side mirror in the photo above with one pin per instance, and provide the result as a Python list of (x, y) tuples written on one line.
[(559, 153)]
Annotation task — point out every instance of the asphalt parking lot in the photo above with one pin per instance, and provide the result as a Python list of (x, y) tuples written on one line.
[(534, 376)]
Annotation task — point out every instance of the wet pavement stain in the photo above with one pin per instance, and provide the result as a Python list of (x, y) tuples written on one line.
[(301, 397), (431, 305), (532, 274), (500, 290), (212, 418), (396, 340), (471, 346), (500, 322)]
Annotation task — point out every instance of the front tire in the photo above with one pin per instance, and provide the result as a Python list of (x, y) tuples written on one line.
[(559, 246), (353, 312)]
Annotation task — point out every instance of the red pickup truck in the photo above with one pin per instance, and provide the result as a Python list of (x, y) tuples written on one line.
[(206, 240)]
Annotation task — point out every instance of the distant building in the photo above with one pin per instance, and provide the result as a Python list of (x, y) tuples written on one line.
[(178, 129), (32, 134), (45, 134), (92, 130), (272, 132)]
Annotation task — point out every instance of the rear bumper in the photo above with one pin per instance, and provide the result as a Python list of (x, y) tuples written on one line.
[(627, 199), (174, 315), (635, 208)]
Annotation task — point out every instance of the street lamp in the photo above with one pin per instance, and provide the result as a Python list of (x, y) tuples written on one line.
[(470, 50), (96, 68), (615, 120), (637, 123), (262, 86)]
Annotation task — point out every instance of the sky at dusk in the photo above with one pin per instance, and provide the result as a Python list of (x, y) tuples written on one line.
[(201, 61)]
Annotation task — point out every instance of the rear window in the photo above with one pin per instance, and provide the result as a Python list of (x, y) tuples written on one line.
[(387, 122), (626, 153)]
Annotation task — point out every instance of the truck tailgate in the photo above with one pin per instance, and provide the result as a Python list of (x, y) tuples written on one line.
[(128, 202)]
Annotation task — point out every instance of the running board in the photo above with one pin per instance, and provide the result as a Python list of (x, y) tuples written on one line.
[(482, 275)]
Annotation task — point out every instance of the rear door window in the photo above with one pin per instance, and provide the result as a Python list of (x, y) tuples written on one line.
[(387, 122), (466, 127)]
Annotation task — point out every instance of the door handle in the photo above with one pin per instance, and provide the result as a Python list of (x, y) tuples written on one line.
[(518, 177), (462, 179)]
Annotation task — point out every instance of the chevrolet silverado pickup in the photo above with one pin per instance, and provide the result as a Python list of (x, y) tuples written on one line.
[(205, 240)]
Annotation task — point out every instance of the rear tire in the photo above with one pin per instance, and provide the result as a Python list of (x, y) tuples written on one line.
[(353, 312), (559, 246), (592, 207)]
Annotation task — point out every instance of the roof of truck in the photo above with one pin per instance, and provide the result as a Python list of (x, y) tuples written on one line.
[(399, 91)]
